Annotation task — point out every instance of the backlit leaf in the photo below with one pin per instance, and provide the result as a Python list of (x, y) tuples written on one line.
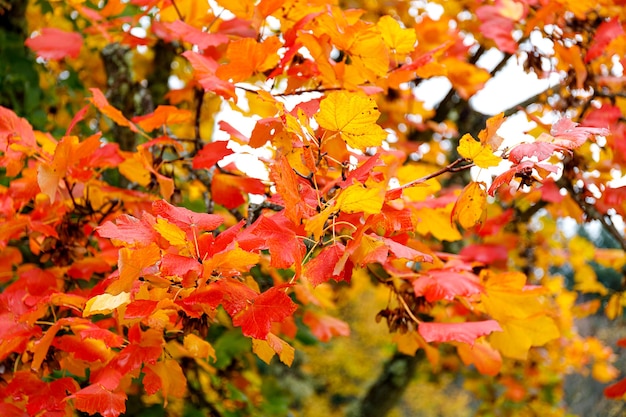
[(247, 56), (101, 102), (354, 116), (211, 154), (399, 40), (469, 209), (458, 332), (480, 154), (105, 303), (97, 399), (357, 198), (56, 44)]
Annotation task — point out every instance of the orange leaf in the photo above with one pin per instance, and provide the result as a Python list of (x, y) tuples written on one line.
[(101, 102), (485, 358), (163, 115), (131, 263), (248, 57)]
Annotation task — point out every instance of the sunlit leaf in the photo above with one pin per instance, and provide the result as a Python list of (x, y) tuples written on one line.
[(354, 116)]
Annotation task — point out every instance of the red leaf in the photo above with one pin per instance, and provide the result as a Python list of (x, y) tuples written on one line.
[(281, 237), (56, 44), (616, 390), (144, 347), (97, 399), (325, 327), (606, 116), (204, 71), (178, 265), (185, 218), (188, 33), (458, 332), (271, 306), (254, 312), (621, 342), (82, 350), (211, 154), (485, 253), (445, 285), (542, 150), (496, 27), (140, 309), (229, 190), (130, 229), (606, 32), (320, 268), (569, 135)]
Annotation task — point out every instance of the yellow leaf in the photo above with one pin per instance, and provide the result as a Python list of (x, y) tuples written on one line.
[(135, 171), (357, 198), (354, 116), (315, 224), (172, 233), (131, 263), (436, 222), (477, 152), (235, 259), (419, 192), (519, 335), (399, 40), (105, 303), (199, 348), (469, 209), (265, 349)]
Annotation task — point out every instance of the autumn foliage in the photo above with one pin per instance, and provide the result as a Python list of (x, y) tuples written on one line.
[(163, 236)]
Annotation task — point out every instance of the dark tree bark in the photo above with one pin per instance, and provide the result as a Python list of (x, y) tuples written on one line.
[(389, 387)]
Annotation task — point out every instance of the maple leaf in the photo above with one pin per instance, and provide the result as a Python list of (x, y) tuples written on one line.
[(605, 33), (162, 116), (571, 136), (97, 399), (265, 349), (480, 154), (188, 33), (204, 71), (469, 209), (165, 376), (229, 190), (485, 358), (211, 154), (442, 284), (354, 117), (105, 303), (185, 218), (321, 268), (398, 40), (101, 102), (247, 56), (56, 44), (459, 332), (129, 229), (251, 311), (325, 327)]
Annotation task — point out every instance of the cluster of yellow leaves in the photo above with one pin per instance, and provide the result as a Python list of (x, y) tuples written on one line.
[(523, 312)]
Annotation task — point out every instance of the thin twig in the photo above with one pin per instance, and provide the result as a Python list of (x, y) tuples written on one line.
[(452, 167)]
